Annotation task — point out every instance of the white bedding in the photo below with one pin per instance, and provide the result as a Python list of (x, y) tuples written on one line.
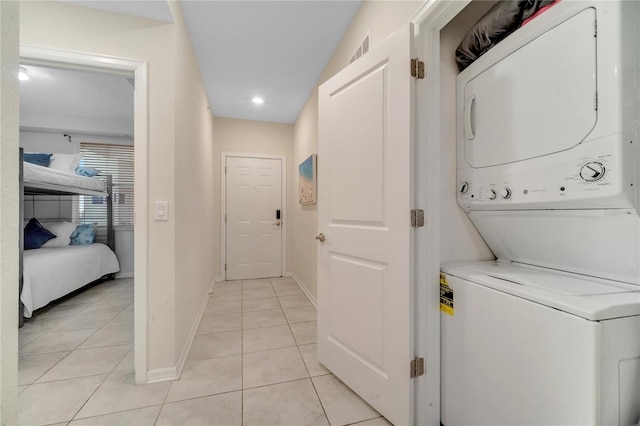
[(35, 173), (50, 273)]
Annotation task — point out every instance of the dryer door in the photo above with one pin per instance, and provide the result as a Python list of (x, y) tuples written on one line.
[(538, 100)]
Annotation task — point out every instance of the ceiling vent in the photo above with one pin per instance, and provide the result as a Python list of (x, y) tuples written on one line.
[(362, 48)]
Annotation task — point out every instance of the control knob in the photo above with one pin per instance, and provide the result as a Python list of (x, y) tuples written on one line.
[(464, 187), (505, 193), (592, 171), (492, 194)]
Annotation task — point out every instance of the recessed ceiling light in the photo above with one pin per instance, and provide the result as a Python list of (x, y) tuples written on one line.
[(257, 100), (22, 75)]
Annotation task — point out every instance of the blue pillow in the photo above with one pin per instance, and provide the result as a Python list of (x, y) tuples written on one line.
[(35, 235), (39, 159), (84, 234), (86, 171)]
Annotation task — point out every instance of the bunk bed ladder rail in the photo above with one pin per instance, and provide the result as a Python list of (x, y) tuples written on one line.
[(110, 231)]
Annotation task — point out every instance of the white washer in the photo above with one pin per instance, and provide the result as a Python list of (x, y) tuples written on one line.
[(522, 345), (548, 172)]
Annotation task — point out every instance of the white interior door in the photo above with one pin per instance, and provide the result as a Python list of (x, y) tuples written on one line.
[(253, 225), (364, 288)]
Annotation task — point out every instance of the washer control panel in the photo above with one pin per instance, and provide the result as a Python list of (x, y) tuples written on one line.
[(592, 171), (595, 175)]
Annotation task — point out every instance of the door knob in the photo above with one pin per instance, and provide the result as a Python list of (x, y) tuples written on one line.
[(320, 237)]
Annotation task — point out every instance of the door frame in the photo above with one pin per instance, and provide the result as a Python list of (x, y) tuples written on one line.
[(223, 206), (68, 59), (430, 18)]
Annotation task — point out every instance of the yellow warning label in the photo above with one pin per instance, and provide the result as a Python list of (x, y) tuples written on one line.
[(446, 296), (443, 279)]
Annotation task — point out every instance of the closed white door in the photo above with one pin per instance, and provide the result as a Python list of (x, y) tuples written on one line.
[(253, 222), (364, 188)]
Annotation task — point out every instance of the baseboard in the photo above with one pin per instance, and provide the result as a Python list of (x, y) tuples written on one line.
[(162, 375), (304, 289), (125, 275), (213, 283), (173, 373)]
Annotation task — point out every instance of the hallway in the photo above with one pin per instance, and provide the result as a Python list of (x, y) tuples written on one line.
[(252, 362)]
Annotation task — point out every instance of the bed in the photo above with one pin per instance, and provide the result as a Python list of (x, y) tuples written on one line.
[(49, 273), (39, 179)]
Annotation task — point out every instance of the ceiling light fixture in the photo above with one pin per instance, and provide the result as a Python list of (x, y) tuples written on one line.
[(257, 100), (22, 75)]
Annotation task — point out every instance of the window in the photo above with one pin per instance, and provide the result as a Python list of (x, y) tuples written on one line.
[(117, 161)]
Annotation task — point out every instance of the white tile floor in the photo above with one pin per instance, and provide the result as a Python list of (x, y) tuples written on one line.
[(252, 362)]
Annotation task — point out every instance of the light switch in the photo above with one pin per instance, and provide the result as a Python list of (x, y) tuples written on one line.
[(161, 210)]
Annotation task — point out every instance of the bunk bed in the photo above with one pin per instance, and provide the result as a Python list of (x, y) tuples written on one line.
[(47, 274)]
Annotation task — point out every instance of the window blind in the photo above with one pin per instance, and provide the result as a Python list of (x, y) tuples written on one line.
[(117, 161)]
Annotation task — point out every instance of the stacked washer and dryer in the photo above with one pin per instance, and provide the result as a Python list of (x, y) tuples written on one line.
[(549, 173)]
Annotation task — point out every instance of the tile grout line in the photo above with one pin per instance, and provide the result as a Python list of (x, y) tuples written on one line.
[(107, 375), (97, 329), (310, 378)]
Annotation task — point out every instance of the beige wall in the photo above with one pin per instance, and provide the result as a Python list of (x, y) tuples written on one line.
[(9, 216), (176, 143), (252, 137), (194, 194), (379, 19)]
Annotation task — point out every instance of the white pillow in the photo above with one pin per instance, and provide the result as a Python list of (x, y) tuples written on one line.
[(65, 162), (62, 231)]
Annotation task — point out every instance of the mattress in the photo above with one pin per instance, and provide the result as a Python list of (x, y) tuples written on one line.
[(37, 174), (50, 273)]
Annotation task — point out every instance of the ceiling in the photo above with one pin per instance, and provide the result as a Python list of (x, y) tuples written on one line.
[(76, 101), (275, 50)]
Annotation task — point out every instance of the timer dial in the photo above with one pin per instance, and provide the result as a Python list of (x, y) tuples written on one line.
[(592, 171), (492, 195), (464, 187), (505, 193)]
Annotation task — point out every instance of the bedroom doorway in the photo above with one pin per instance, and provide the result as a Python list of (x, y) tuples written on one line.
[(136, 73), (253, 216)]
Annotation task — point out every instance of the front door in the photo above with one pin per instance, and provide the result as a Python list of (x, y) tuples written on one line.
[(253, 221), (365, 312)]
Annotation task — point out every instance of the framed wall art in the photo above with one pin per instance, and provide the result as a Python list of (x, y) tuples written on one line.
[(307, 179)]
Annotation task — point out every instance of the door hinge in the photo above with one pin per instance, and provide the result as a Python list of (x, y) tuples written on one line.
[(416, 367), (595, 101), (417, 218), (225, 266), (225, 218), (417, 68)]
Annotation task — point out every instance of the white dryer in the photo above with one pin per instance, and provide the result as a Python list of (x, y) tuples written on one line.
[(547, 170)]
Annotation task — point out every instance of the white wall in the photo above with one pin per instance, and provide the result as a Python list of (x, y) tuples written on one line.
[(173, 151), (459, 239), (194, 190), (9, 213), (47, 141), (253, 137), (379, 19), (71, 124)]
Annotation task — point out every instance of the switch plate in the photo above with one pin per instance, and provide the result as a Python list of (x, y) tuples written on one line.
[(161, 210)]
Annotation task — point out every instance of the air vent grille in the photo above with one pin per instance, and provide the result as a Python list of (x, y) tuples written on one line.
[(362, 48)]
